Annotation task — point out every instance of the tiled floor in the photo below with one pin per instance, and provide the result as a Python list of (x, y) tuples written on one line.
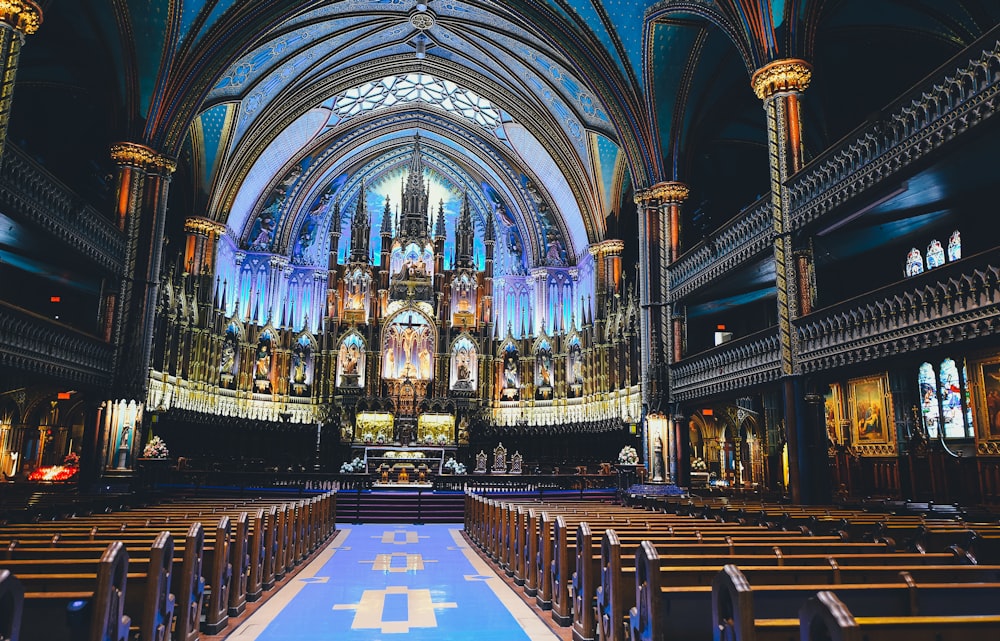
[(395, 581)]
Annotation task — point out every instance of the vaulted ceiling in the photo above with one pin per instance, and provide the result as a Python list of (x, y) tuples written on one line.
[(554, 109)]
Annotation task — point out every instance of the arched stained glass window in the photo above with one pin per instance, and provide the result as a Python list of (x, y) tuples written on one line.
[(929, 399), (914, 263), (955, 246), (935, 254), (945, 403)]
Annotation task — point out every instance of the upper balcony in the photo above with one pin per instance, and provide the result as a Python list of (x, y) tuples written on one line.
[(31, 343), (29, 193), (957, 98), (959, 301), (736, 365), (734, 244)]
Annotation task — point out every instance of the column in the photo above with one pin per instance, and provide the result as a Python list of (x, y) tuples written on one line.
[(142, 182), (672, 196), (18, 18), (779, 85), (651, 252), (201, 244)]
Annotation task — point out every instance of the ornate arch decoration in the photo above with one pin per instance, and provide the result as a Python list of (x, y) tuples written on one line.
[(538, 122), (464, 366), (352, 354), (408, 344)]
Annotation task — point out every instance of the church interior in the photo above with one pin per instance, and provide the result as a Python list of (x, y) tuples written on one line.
[(723, 250)]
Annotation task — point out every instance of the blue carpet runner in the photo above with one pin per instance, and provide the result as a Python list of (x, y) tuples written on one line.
[(379, 582)]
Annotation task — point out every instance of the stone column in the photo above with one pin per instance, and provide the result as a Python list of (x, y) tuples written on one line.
[(651, 254), (18, 18), (201, 244), (143, 179), (779, 85)]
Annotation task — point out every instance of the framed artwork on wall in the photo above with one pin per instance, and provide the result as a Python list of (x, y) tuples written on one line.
[(834, 411), (986, 395), (869, 409)]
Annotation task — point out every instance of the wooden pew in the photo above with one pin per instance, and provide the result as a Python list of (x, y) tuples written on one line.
[(762, 612), (103, 603), (824, 616), (11, 605), (153, 583)]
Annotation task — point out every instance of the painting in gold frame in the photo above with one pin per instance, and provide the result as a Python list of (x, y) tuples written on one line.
[(869, 410), (987, 397), (834, 412)]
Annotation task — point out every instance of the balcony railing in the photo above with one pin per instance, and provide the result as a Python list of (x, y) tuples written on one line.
[(956, 302), (960, 95), (32, 343), (732, 245), (29, 192), (738, 364)]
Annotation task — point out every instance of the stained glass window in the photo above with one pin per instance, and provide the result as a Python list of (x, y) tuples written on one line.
[(945, 404), (914, 263), (420, 87), (935, 254), (928, 399), (955, 246)]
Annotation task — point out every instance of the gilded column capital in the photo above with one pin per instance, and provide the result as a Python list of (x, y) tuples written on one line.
[(204, 226), (611, 246), (141, 157), (670, 192), (22, 15), (790, 74)]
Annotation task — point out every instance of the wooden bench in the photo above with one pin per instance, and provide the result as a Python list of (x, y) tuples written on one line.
[(742, 612), (824, 616)]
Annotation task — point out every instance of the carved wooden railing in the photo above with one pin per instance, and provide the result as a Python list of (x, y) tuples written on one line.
[(738, 364), (736, 242), (33, 343), (956, 302), (29, 192), (960, 95)]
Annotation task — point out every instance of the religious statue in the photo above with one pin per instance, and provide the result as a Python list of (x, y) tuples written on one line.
[(228, 357), (425, 363), (263, 366), (298, 367), (390, 363), (510, 371), (408, 338)]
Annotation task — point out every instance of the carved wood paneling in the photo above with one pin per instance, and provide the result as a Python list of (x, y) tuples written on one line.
[(34, 344), (736, 365)]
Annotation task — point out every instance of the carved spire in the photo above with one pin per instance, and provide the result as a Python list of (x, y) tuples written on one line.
[(464, 235), (360, 228), (439, 227)]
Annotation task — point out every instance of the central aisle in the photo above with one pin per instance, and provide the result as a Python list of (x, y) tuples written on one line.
[(395, 581)]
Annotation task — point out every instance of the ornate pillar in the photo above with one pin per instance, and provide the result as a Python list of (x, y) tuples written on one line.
[(651, 253), (201, 244), (18, 18), (779, 85), (142, 183), (805, 281), (608, 265)]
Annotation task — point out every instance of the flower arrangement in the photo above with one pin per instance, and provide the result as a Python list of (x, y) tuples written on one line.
[(698, 464), (454, 466), (353, 467), (72, 459), (380, 438), (628, 456), (155, 448), (368, 437), (442, 439)]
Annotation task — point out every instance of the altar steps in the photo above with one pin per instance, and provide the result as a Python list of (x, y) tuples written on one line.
[(400, 506)]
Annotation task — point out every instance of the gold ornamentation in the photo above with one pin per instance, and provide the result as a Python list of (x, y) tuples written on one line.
[(199, 225), (670, 192), (609, 247), (791, 74), (23, 15), (142, 157)]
